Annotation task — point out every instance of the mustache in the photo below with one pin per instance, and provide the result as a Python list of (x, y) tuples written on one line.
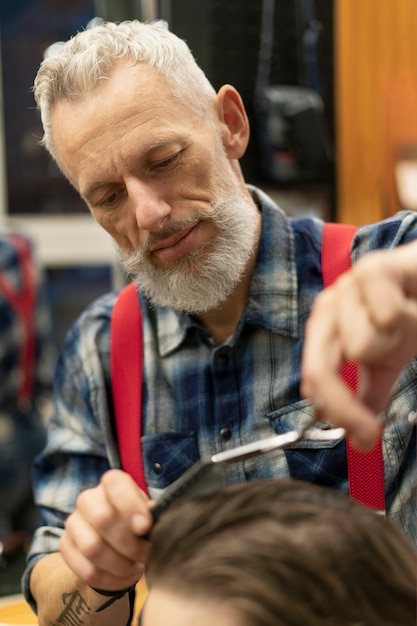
[(173, 228)]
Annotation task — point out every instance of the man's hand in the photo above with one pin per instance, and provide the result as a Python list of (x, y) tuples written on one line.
[(369, 315), (104, 541)]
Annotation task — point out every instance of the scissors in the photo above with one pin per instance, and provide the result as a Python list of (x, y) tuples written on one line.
[(208, 473)]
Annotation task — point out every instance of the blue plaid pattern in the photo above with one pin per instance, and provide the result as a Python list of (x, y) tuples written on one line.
[(200, 398), (11, 330), (22, 433)]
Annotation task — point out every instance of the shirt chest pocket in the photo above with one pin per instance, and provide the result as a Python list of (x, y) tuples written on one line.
[(319, 461), (296, 417)]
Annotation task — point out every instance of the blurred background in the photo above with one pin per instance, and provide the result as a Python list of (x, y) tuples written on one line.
[(330, 88)]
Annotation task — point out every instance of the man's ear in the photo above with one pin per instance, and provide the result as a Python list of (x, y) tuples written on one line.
[(233, 120)]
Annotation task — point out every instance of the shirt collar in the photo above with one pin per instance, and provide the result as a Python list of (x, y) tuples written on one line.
[(272, 301), (273, 298)]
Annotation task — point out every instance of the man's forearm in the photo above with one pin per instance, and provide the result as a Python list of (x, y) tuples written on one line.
[(63, 599)]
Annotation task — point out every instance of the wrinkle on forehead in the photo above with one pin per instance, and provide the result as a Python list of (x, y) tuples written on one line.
[(133, 98)]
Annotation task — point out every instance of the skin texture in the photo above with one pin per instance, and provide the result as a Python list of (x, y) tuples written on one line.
[(186, 611), (369, 315), (125, 167)]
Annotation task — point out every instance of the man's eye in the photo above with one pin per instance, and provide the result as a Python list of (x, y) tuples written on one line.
[(109, 200), (166, 163)]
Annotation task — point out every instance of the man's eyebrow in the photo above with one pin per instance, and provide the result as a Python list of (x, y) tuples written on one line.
[(160, 143), (91, 188), (166, 142)]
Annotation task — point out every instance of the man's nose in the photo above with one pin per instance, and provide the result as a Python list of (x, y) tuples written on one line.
[(149, 206)]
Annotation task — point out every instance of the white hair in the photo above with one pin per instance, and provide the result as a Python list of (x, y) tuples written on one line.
[(90, 56)]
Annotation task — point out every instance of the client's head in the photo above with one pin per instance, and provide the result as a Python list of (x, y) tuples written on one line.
[(278, 553)]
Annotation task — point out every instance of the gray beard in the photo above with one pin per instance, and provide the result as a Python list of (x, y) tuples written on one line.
[(202, 280)]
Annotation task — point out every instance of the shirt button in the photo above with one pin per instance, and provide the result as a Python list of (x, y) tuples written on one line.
[(225, 434), (157, 468), (222, 359)]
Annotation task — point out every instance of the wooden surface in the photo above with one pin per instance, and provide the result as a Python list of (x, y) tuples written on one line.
[(376, 102), (14, 610)]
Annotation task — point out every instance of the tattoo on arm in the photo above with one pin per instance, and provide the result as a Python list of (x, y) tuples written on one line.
[(75, 608)]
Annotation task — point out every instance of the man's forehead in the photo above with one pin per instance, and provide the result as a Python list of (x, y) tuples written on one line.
[(124, 79), (134, 88), (127, 91), (133, 76)]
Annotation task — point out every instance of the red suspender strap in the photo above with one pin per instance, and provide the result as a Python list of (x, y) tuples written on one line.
[(126, 376), (365, 469)]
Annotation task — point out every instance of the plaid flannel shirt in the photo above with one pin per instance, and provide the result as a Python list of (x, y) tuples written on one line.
[(200, 397)]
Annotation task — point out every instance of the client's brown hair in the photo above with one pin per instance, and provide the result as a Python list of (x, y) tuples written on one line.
[(287, 553)]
